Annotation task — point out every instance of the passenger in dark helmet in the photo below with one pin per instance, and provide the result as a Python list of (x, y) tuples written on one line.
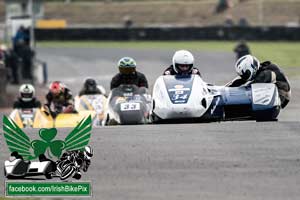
[(250, 70), (90, 87)]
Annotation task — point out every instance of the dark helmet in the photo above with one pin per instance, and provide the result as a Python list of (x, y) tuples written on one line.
[(127, 66), (16, 155), (90, 85)]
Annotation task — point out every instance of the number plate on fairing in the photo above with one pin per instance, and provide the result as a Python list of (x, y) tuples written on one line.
[(179, 89), (130, 106)]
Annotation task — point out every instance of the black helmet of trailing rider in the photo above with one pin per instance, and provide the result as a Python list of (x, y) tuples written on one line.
[(90, 85)]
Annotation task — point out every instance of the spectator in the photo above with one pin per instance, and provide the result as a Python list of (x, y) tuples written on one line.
[(243, 22), (223, 5), (127, 21), (241, 49), (13, 62), (25, 57), (22, 36), (27, 36), (228, 21), (9, 60), (27, 62)]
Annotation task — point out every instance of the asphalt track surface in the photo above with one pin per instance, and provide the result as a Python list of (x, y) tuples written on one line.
[(228, 160)]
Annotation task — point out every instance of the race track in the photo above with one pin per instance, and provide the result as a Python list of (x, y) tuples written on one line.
[(228, 160)]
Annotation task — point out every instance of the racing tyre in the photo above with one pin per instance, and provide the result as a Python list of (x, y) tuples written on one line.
[(77, 176), (67, 172), (107, 119), (155, 119), (267, 115), (48, 176)]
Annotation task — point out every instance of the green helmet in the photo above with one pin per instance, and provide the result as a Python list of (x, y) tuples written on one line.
[(127, 65)]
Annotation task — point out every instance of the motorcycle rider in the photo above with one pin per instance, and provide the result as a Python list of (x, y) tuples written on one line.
[(26, 98), (182, 63), (128, 74), (250, 70), (90, 87), (241, 49), (60, 97), (81, 159)]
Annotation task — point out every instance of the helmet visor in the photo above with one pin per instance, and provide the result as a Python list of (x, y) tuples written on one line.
[(91, 88), (26, 95), (56, 88), (55, 91), (127, 70), (88, 154), (246, 75), (184, 68)]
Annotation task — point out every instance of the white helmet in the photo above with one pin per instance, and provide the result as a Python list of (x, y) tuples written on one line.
[(88, 152), (26, 92), (246, 67), (183, 58)]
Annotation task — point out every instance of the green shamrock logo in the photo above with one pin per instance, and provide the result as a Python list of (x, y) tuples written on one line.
[(17, 140), (40, 146)]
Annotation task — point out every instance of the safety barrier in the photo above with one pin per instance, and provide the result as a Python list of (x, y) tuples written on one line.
[(171, 33), (48, 24)]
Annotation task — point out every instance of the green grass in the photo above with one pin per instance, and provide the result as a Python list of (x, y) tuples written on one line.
[(286, 54)]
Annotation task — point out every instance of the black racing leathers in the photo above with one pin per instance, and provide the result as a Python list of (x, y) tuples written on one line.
[(138, 79), (270, 73), (171, 71), (20, 104), (60, 101)]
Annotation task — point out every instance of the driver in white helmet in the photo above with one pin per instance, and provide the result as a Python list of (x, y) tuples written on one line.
[(250, 70), (182, 64), (27, 98)]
